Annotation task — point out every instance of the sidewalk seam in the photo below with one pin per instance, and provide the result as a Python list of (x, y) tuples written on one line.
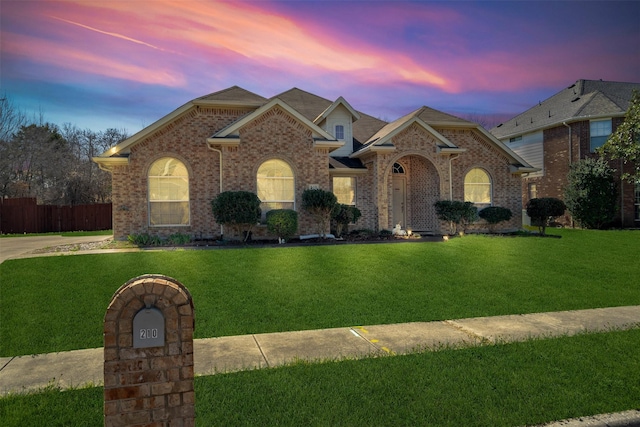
[(471, 333), (264, 356), (7, 364)]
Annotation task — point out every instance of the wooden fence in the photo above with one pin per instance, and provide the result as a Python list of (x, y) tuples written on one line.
[(24, 215)]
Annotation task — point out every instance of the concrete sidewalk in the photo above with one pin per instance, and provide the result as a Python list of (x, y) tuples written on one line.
[(19, 247), (228, 354)]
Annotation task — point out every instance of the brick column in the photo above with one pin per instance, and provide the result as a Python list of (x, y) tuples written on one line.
[(148, 381)]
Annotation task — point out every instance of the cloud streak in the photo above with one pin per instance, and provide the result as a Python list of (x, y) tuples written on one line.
[(120, 36)]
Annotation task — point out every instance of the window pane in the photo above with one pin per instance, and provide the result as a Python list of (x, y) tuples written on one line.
[(169, 213), (168, 167), (168, 192), (276, 187), (339, 132), (168, 188), (345, 190), (477, 187), (274, 169), (597, 141), (599, 131)]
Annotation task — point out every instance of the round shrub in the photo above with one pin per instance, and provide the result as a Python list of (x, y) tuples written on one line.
[(495, 215), (543, 210), (282, 222), (343, 215), (239, 210)]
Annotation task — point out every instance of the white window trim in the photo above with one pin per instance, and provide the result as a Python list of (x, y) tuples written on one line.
[(151, 202), (490, 184)]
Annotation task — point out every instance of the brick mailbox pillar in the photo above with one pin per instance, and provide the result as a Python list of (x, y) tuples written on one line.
[(148, 354)]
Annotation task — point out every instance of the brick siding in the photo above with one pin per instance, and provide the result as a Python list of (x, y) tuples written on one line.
[(276, 134), (557, 163)]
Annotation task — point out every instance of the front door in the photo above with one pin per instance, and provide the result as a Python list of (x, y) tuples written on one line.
[(399, 201)]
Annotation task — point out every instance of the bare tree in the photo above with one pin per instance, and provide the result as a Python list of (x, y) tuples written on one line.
[(11, 118), (54, 165)]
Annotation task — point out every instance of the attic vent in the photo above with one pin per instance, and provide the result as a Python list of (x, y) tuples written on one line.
[(575, 99)]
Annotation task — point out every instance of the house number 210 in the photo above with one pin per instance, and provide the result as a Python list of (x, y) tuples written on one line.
[(148, 333)]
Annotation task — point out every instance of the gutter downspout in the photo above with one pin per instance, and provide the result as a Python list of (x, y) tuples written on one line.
[(220, 179), (451, 159)]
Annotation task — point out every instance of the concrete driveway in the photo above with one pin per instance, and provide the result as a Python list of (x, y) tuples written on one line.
[(13, 247)]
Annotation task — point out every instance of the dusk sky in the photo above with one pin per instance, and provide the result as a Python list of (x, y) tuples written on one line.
[(125, 64)]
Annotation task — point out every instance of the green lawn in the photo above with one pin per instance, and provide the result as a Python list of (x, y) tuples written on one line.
[(58, 303), (499, 385)]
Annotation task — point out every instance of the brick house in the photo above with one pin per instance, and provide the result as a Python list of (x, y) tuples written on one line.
[(565, 128), (165, 176)]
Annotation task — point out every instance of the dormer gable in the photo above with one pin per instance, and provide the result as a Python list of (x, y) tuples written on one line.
[(337, 119), (230, 135)]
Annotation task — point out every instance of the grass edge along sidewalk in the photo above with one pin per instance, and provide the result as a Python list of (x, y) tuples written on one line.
[(257, 351), (503, 384), (246, 291)]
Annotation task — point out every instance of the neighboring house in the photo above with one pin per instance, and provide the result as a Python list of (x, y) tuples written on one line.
[(565, 128), (165, 176)]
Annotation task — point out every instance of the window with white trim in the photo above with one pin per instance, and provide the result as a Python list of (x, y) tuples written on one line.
[(168, 193), (599, 133), (276, 186), (339, 132), (477, 187), (344, 188)]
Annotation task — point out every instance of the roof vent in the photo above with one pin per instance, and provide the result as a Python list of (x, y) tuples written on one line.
[(575, 99), (499, 125), (573, 85)]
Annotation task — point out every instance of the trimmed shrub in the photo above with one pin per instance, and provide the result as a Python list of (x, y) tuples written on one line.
[(543, 210), (319, 204), (343, 215), (495, 215), (283, 223), (456, 213), (239, 210)]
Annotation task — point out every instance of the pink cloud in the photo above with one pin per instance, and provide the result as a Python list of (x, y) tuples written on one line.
[(206, 28), (85, 61)]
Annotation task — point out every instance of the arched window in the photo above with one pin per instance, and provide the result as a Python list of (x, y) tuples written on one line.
[(168, 193), (276, 189), (398, 168), (477, 187)]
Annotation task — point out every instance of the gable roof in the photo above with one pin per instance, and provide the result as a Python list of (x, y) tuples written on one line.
[(233, 96), (310, 110), (430, 119), (384, 135), (583, 100), (340, 101), (230, 134)]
